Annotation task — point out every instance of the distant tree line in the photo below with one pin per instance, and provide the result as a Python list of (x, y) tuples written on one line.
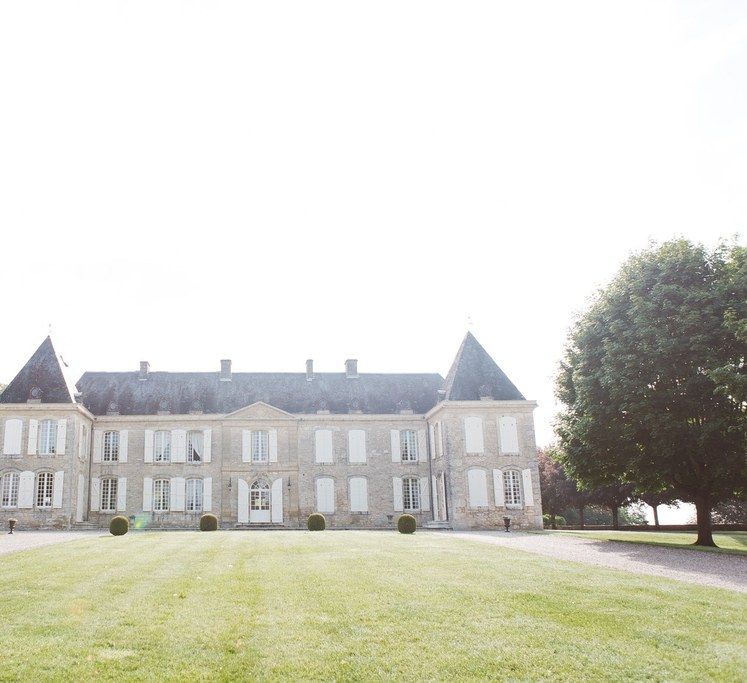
[(654, 388)]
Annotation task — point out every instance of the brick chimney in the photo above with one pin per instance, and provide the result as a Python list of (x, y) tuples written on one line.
[(225, 370), (309, 370), (144, 369), (351, 368)]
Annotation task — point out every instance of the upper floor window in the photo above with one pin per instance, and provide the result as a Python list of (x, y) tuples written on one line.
[(111, 447), (194, 446), (408, 445), (194, 495), (47, 437), (44, 486), (162, 446), (109, 494), (410, 493), (9, 490), (512, 488), (161, 494), (260, 446)]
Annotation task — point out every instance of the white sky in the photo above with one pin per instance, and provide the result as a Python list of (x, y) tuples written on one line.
[(186, 181)]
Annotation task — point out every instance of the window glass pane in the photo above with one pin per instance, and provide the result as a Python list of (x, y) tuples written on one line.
[(194, 495), (44, 485), (408, 444), (260, 449), (111, 446), (10, 490), (162, 446), (47, 437), (194, 446)]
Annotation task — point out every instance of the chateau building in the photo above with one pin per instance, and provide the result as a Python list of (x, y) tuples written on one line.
[(268, 449)]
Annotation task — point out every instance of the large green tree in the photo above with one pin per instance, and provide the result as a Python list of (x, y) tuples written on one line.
[(642, 403)]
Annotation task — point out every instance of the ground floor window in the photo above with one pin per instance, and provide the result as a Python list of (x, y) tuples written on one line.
[(161, 493), (411, 493), (108, 494), (44, 486), (512, 488), (194, 495), (9, 490)]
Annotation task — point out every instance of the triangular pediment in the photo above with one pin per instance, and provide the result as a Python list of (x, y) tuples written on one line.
[(259, 411)]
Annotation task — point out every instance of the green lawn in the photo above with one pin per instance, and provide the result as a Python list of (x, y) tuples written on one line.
[(732, 541), (350, 605)]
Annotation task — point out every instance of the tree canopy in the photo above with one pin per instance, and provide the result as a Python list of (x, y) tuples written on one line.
[(650, 378)]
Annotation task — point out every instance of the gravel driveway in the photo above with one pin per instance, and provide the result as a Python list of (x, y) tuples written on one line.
[(694, 566), (24, 540)]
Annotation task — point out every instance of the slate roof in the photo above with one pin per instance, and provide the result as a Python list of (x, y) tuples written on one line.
[(182, 392), (475, 373), (43, 375)]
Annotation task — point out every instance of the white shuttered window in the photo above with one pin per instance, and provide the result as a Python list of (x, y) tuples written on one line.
[(408, 445), (111, 447), (512, 489), (108, 494), (161, 448), (477, 485), (161, 495), (410, 494), (47, 437), (325, 494), (358, 494), (194, 495), (44, 488), (9, 490)]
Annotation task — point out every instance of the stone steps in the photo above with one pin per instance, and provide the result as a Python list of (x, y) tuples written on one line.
[(437, 525)]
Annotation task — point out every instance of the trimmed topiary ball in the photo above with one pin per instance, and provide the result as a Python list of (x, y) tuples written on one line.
[(208, 522), (316, 522), (119, 526), (406, 524)]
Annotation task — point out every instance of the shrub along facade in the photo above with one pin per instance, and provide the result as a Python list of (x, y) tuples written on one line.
[(258, 449)]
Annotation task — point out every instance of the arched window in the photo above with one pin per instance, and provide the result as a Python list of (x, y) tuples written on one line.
[(9, 490), (512, 489), (410, 493), (259, 496), (162, 446), (47, 437), (44, 486), (161, 495), (111, 446), (194, 495)]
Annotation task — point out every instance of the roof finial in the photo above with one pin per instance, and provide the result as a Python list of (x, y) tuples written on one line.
[(470, 324), (49, 329)]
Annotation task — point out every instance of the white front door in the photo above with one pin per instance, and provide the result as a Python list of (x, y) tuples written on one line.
[(259, 503)]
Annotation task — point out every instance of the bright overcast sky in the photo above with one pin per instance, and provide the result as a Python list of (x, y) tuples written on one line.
[(269, 182)]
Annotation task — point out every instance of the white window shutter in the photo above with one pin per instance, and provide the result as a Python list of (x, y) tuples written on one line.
[(178, 486), (325, 494), (207, 494), (98, 445), (80, 440), (526, 476), (425, 499), (148, 491), (434, 489), (33, 436), (96, 494), (432, 435), (498, 486), (422, 449), (81, 503), (12, 437), (121, 494), (207, 449), (478, 488), (26, 490), (61, 436), (473, 435), (148, 447), (178, 445), (123, 439), (243, 493), (397, 490), (273, 434), (357, 445), (276, 503), (394, 436), (246, 448), (323, 445), (358, 494), (57, 482), (508, 434)]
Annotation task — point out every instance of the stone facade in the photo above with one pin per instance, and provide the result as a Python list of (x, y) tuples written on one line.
[(461, 453)]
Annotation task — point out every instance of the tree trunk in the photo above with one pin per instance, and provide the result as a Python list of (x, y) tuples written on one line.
[(705, 530), (656, 516), (615, 517), (581, 516), (552, 521)]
